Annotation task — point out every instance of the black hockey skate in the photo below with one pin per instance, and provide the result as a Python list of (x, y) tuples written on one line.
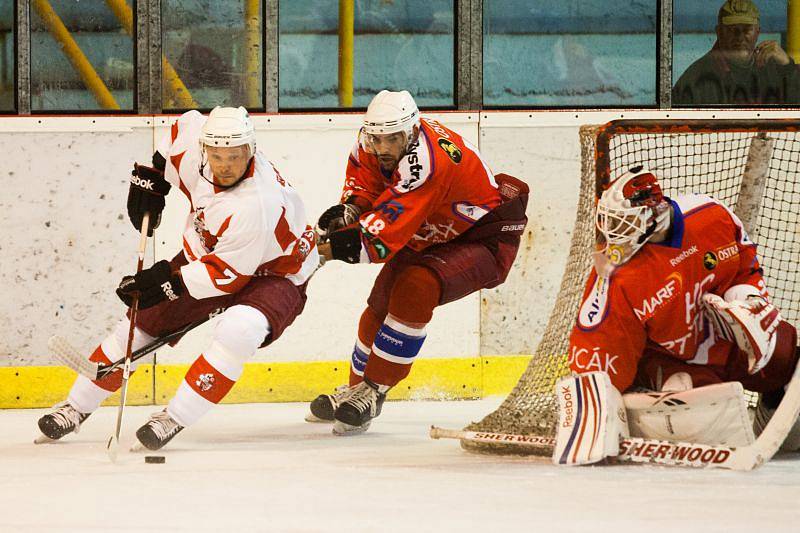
[(159, 430), (355, 413), (64, 420), (324, 405)]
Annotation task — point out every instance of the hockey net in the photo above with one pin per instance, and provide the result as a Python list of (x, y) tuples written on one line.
[(751, 166)]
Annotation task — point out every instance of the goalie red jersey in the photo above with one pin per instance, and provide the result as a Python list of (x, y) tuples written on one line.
[(654, 301), (440, 188)]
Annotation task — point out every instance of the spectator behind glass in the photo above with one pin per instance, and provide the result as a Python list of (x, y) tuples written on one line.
[(735, 70)]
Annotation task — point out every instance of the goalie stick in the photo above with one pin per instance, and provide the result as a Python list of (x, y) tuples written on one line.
[(65, 353), (640, 450)]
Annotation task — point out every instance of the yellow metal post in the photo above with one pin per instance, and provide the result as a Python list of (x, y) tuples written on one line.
[(793, 30), (252, 75), (346, 20), (74, 54), (183, 98)]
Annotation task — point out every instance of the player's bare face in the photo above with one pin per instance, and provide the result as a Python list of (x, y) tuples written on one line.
[(227, 163), (737, 41), (388, 148)]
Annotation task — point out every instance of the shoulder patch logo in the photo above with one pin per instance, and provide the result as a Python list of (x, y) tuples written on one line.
[(593, 309), (710, 261), (450, 149)]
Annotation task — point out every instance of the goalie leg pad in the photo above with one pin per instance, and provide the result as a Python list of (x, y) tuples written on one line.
[(713, 415), (591, 419)]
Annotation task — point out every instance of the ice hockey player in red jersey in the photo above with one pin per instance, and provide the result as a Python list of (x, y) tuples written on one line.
[(420, 199), (247, 250), (676, 300)]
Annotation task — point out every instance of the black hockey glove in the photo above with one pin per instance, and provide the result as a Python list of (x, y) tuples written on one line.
[(336, 217), (146, 193), (154, 285), (346, 245)]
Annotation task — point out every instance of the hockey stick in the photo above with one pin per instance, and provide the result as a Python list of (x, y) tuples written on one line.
[(654, 451), (113, 442), (66, 354)]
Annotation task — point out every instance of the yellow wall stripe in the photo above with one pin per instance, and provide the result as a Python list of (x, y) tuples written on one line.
[(444, 379)]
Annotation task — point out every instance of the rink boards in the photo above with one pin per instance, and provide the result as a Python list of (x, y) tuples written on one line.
[(66, 242)]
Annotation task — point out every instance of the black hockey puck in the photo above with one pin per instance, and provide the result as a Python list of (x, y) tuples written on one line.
[(155, 459)]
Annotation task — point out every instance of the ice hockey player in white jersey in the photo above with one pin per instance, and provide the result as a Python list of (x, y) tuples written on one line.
[(247, 249)]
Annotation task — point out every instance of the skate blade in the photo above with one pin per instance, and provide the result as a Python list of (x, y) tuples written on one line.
[(43, 439), (314, 419), (345, 430)]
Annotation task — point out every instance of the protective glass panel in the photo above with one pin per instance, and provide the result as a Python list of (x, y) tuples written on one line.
[(82, 55), (212, 53), (399, 44), (569, 53), (7, 102), (748, 65)]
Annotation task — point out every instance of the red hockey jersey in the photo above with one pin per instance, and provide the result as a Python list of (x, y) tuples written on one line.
[(654, 301), (438, 191)]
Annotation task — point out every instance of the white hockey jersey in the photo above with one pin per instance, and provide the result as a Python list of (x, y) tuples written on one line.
[(256, 228)]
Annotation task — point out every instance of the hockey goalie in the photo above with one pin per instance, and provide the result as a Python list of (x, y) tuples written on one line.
[(674, 323)]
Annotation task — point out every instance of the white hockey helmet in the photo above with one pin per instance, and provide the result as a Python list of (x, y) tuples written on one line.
[(629, 212), (392, 112), (228, 127)]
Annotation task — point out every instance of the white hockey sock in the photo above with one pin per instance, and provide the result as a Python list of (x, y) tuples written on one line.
[(85, 395)]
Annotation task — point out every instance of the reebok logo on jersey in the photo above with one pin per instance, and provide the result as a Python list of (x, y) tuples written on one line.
[(675, 261), (168, 291), (142, 183)]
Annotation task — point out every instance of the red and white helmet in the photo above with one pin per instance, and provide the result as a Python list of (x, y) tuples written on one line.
[(629, 212), (392, 112), (228, 127)]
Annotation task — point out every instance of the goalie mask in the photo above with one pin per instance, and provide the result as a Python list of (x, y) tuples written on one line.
[(629, 212), (391, 112)]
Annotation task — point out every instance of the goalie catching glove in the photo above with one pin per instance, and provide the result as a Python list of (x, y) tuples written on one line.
[(750, 323), (146, 193), (153, 285)]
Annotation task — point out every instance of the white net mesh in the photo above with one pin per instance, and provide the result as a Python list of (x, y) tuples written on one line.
[(760, 165)]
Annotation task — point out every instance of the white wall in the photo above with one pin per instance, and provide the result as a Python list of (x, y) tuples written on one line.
[(65, 240)]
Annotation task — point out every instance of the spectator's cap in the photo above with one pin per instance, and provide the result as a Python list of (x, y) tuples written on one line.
[(738, 12)]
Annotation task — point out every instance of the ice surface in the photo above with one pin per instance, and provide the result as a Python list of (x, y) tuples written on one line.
[(262, 468)]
